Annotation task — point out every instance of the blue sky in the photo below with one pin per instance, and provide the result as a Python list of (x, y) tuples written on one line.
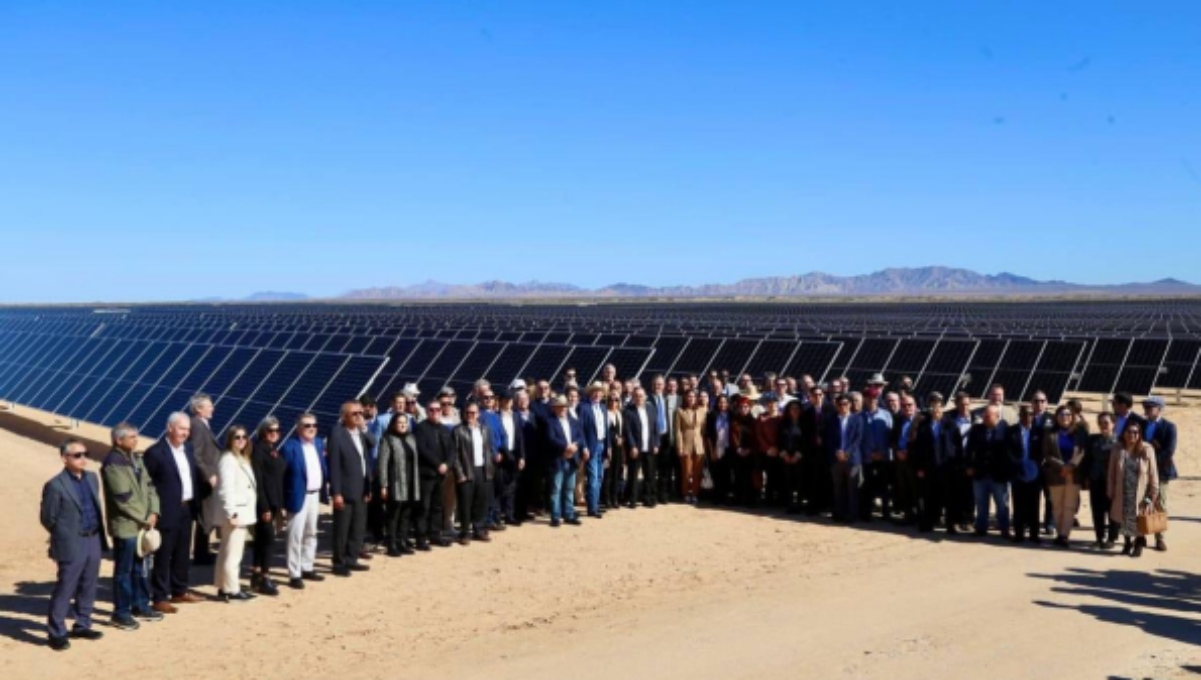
[(156, 151)]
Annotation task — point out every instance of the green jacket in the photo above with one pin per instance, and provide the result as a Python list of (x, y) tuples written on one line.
[(129, 498)]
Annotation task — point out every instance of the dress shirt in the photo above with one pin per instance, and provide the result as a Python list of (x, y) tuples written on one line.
[(507, 424), (660, 415), (90, 522), (565, 423), (312, 467), (477, 445), (185, 471), (598, 413), (646, 430), (357, 438)]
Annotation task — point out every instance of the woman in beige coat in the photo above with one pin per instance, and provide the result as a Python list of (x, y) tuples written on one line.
[(1133, 485), (690, 442), (236, 497)]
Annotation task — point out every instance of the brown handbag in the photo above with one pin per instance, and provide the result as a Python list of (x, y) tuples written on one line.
[(1155, 522)]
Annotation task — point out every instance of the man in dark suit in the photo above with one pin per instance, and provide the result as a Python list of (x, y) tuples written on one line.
[(642, 447), (510, 459), (594, 424), (934, 453), (208, 454), (434, 457), (176, 478), (1160, 433), (665, 404), (71, 513), (347, 451), (989, 466), (474, 469), (565, 443), (816, 481)]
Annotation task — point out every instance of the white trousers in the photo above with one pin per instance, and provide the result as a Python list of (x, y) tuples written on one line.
[(229, 560), (302, 537)]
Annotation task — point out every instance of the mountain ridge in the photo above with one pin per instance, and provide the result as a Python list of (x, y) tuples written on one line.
[(931, 280)]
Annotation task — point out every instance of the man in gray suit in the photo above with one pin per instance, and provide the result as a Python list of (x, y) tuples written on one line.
[(71, 513), (208, 455), (347, 451)]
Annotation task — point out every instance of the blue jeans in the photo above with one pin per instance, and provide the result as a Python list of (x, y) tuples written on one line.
[(984, 490), (131, 591), (562, 495), (596, 475)]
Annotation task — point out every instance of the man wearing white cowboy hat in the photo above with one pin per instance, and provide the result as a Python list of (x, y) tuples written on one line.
[(132, 507)]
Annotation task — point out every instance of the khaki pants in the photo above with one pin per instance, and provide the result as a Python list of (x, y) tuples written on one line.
[(449, 502), (229, 560), (1065, 498)]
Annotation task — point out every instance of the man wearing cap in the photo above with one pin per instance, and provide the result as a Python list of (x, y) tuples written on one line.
[(71, 513), (565, 442), (131, 506), (594, 427), (1160, 433), (877, 453)]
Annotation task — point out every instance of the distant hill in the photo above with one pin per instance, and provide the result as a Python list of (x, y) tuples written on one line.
[(265, 296), (888, 282)]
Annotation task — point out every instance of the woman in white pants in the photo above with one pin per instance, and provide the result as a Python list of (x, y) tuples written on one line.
[(236, 495)]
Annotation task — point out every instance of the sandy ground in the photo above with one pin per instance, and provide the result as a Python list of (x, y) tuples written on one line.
[(673, 592)]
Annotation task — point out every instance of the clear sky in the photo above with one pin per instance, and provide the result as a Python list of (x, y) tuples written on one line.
[(155, 150)]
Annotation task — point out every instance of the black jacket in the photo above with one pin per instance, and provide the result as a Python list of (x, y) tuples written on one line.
[(930, 454), (987, 453), (434, 447), (269, 466)]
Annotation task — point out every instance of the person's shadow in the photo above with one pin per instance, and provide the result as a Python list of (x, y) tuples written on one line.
[(1172, 592), (23, 612)]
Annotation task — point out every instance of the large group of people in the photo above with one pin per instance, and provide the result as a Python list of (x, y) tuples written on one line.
[(421, 476)]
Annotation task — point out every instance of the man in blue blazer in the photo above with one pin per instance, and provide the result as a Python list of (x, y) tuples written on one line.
[(71, 513), (178, 481), (305, 473), (565, 442), (843, 440), (1160, 433), (594, 425), (509, 440)]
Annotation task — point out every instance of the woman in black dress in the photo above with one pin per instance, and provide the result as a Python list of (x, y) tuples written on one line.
[(268, 465)]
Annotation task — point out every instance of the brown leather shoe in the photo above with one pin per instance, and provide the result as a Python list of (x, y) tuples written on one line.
[(365, 555), (164, 607), (186, 598)]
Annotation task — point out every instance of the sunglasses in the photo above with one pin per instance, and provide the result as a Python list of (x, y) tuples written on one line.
[(239, 437), (273, 430), (76, 456), (308, 426)]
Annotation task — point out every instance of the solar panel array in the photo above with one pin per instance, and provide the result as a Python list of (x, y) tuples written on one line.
[(139, 364)]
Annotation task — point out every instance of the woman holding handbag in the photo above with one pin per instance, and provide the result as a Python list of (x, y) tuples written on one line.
[(1133, 484), (237, 496)]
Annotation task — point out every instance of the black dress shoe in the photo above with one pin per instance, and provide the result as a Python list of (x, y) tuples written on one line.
[(341, 572), (60, 644), (296, 583), (406, 550), (497, 527), (312, 576), (554, 523), (596, 515), (394, 552), (423, 546), (89, 634), (442, 543), (574, 521), (359, 567), (482, 537), (267, 587)]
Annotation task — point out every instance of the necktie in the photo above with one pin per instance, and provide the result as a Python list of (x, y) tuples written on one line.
[(661, 415)]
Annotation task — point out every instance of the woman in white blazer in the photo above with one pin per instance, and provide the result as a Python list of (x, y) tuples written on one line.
[(236, 496)]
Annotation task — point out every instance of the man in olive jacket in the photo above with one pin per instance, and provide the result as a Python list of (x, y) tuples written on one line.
[(131, 504)]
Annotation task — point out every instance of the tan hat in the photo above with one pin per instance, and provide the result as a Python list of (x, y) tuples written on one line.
[(149, 541), (559, 401), (596, 387), (877, 379)]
